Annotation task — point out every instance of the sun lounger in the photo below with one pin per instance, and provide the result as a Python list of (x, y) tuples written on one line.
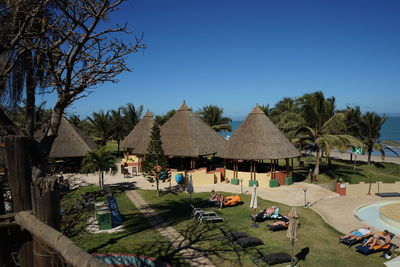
[(275, 228), (271, 259), (366, 250), (210, 218), (358, 239), (261, 217), (196, 212), (240, 239)]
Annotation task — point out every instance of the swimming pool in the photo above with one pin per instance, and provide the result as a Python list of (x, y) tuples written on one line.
[(371, 215)]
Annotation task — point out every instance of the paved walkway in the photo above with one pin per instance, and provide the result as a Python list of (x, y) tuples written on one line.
[(176, 239)]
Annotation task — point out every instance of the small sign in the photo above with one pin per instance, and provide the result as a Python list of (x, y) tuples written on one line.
[(342, 186), (356, 150)]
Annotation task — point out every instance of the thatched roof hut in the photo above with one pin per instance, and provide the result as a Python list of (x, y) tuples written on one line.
[(186, 135), (138, 139), (258, 138), (70, 142)]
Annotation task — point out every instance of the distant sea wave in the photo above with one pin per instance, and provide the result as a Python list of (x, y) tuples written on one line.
[(390, 131)]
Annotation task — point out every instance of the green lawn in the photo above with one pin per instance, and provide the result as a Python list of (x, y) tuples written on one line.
[(386, 172), (139, 237), (314, 234)]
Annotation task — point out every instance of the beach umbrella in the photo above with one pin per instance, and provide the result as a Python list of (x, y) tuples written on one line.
[(253, 202), (189, 186), (292, 228)]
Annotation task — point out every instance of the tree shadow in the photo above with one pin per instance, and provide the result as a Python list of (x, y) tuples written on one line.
[(198, 238), (302, 255), (345, 172)]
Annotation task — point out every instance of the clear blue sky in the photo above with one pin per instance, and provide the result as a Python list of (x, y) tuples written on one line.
[(238, 53)]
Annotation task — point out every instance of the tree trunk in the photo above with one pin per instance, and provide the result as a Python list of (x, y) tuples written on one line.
[(100, 180), (30, 97), (369, 155), (5, 259), (46, 207), (157, 186), (20, 178), (317, 160), (118, 141)]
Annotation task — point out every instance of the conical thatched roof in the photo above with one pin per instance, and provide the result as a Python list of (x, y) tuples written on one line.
[(70, 142), (138, 139), (258, 138), (186, 135)]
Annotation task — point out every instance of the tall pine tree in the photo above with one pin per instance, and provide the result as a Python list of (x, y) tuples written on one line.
[(154, 165)]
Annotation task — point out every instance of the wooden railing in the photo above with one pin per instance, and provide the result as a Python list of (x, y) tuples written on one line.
[(69, 253)]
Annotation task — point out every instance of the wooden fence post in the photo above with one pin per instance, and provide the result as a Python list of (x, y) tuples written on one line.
[(20, 177), (46, 207)]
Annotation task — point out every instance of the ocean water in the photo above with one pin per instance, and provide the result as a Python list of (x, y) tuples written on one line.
[(390, 131)]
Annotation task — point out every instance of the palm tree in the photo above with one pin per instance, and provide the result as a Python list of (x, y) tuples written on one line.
[(161, 119), (266, 109), (352, 120), (119, 129), (75, 120), (324, 127), (370, 127), (100, 161), (212, 115), (286, 116), (132, 115), (27, 73), (100, 126)]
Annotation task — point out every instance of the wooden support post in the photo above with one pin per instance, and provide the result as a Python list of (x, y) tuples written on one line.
[(287, 167), (46, 207), (255, 170), (20, 178), (224, 169), (72, 255), (292, 171)]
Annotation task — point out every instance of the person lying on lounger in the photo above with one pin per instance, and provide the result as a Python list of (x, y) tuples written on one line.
[(267, 213), (218, 198), (380, 240), (283, 221), (360, 232)]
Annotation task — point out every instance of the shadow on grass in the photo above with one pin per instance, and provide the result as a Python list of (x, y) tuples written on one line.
[(302, 255), (201, 238), (336, 171)]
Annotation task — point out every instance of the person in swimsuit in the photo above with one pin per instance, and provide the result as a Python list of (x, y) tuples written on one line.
[(219, 198), (360, 232), (380, 240), (284, 221)]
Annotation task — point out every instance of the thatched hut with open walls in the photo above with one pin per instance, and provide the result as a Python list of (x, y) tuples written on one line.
[(138, 140), (69, 147), (258, 140), (186, 139)]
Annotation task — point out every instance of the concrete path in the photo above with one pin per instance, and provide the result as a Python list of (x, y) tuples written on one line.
[(291, 195), (176, 239), (340, 212)]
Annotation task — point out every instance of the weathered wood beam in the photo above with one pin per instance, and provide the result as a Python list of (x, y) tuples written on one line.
[(8, 225), (60, 243), (7, 216), (20, 178)]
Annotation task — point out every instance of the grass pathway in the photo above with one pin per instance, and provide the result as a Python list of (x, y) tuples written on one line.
[(176, 239)]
